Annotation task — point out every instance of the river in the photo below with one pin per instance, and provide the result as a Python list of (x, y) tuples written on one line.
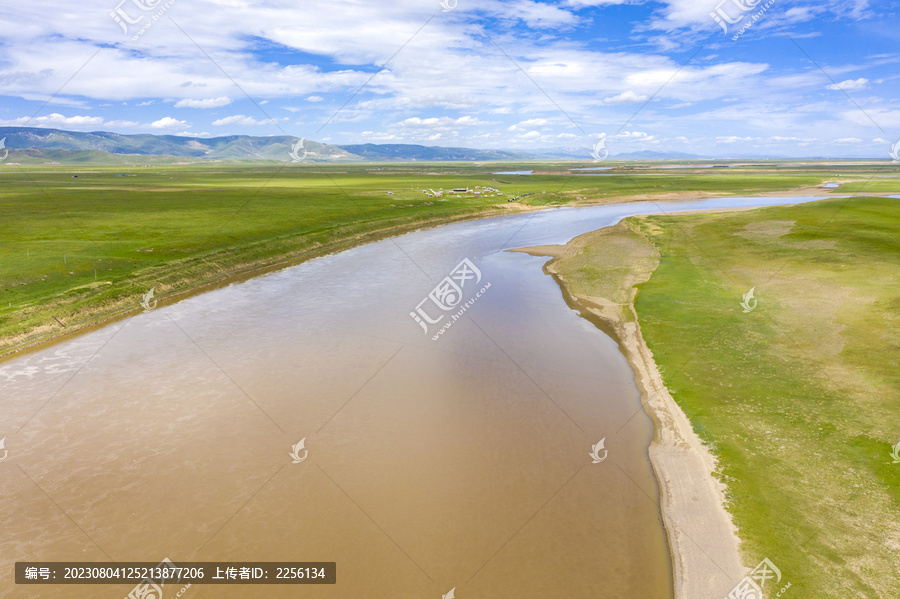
[(428, 465)]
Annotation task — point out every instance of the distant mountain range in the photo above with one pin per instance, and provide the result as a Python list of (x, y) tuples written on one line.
[(33, 145), (231, 147), (39, 145)]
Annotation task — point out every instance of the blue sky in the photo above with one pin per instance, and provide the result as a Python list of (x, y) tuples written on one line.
[(806, 79)]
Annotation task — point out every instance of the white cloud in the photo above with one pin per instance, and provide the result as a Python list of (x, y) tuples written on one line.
[(75, 121), (445, 66), (847, 140), (169, 123), (676, 14), (585, 3), (527, 124), (694, 14), (538, 14), (800, 14), (55, 120), (314, 99), (851, 84), (208, 103), (730, 139), (440, 122), (633, 135), (239, 119), (420, 122), (627, 97), (121, 124)]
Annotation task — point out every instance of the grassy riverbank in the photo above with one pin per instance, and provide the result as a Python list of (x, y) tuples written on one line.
[(81, 244), (798, 397)]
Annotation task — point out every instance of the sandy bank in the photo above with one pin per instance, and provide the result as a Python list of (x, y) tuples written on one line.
[(703, 540), (554, 251)]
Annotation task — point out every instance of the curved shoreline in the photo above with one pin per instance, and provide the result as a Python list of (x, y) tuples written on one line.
[(692, 500), (703, 541)]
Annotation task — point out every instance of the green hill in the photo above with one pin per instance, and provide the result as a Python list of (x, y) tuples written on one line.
[(231, 147)]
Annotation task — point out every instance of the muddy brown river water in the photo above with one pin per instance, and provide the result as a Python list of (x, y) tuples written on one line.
[(461, 463)]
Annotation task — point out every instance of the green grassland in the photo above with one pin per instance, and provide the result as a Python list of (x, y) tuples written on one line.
[(79, 249), (799, 397), (81, 243)]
